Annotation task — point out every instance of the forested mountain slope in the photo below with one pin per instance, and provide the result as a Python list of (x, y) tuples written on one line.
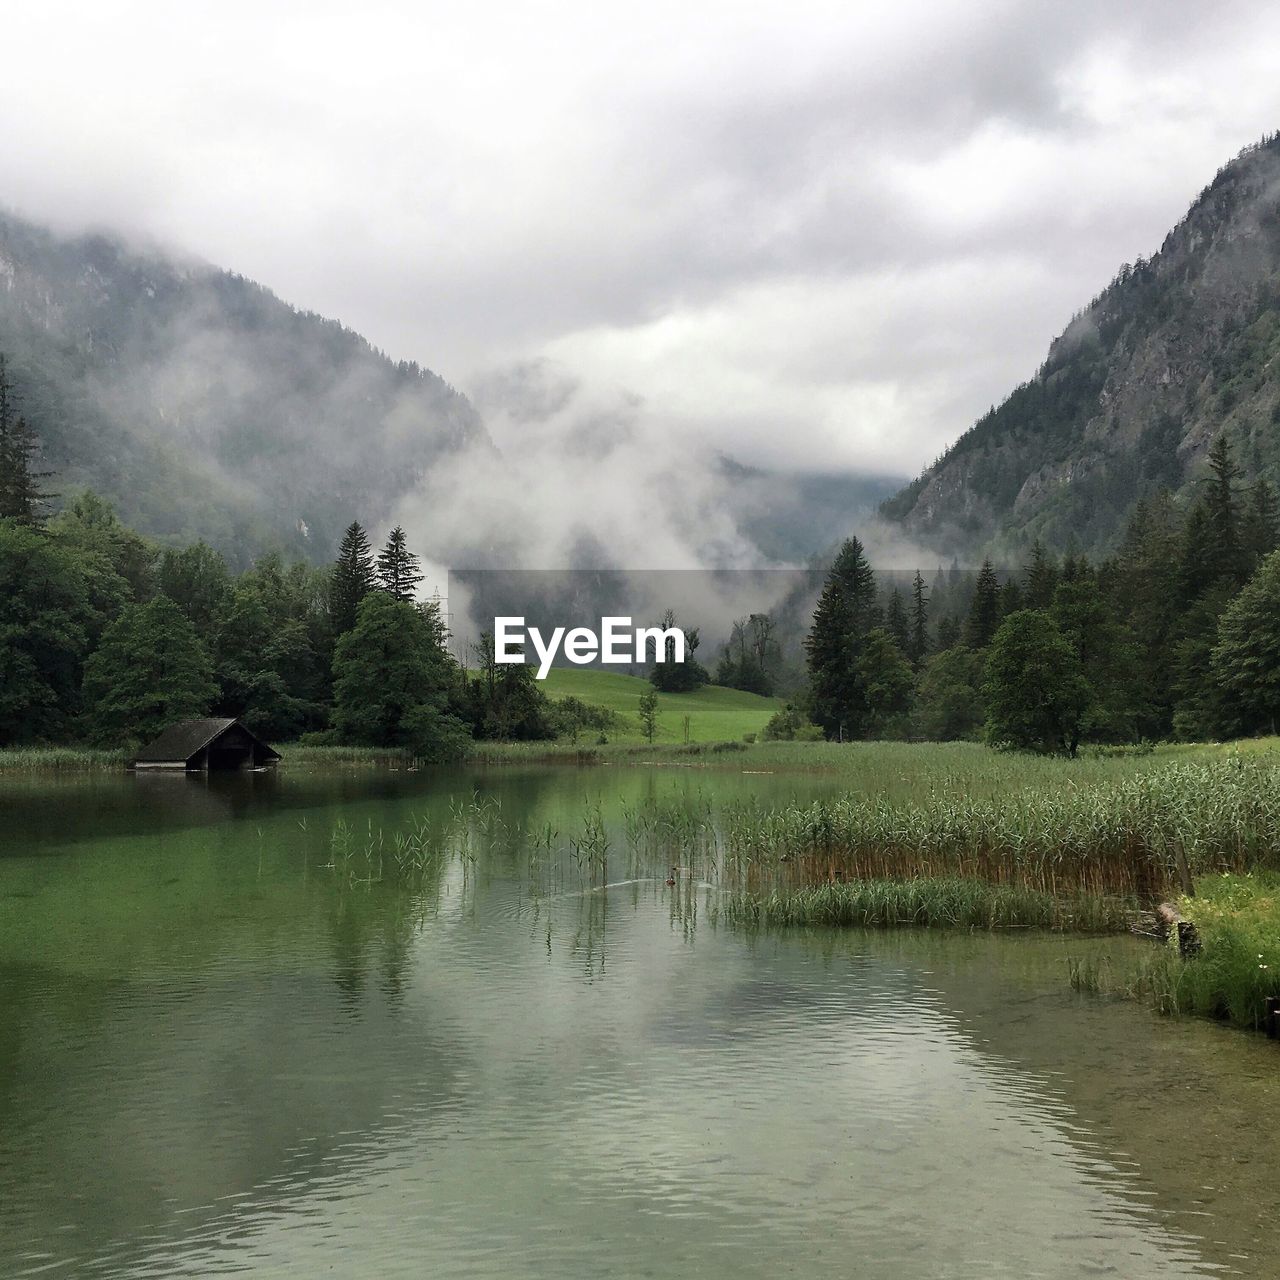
[(1175, 351), (201, 405)]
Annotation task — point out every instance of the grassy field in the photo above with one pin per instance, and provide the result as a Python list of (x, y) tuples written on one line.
[(715, 714)]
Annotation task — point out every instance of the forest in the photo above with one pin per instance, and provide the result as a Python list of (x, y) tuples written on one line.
[(106, 637)]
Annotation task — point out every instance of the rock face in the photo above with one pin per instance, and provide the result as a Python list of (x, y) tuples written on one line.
[(204, 406), (1130, 396)]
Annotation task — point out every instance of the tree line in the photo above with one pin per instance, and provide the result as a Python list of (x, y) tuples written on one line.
[(105, 637), (1177, 635)]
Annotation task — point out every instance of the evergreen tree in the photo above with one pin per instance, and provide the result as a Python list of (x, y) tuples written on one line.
[(1034, 689), (1260, 533), (1245, 662), (398, 572), (896, 622), (21, 497), (948, 634), (393, 679), (984, 611), (149, 671), (1221, 506), (352, 578), (1197, 555), (918, 640), (1042, 577), (844, 614), (1107, 656)]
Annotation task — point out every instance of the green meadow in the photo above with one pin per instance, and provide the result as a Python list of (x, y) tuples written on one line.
[(714, 714)]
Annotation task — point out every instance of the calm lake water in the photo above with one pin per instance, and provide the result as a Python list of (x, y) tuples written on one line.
[(228, 1046)]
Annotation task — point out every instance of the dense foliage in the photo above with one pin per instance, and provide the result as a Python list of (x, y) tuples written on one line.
[(1174, 636)]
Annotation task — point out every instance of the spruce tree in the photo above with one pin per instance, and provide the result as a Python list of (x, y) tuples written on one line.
[(21, 497), (398, 573), (1042, 577), (1221, 507), (918, 641), (896, 622), (1197, 555), (1261, 525), (1245, 662), (844, 614), (352, 578), (984, 612)]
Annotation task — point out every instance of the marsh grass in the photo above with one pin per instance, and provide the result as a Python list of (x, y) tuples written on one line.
[(1122, 838), (924, 903), (87, 759)]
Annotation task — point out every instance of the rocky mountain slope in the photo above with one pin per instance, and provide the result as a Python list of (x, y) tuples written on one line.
[(1174, 351), (204, 406)]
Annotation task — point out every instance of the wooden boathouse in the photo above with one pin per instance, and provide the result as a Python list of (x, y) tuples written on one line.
[(205, 744)]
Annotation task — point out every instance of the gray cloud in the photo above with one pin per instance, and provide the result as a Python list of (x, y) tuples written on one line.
[(806, 235)]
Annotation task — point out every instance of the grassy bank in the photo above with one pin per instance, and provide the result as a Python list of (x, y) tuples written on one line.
[(1237, 968)]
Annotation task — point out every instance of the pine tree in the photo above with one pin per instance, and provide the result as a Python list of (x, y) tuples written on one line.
[(1221, 506), (1260, 532), (948, 634), (1197, 567), (352, 578), (984, 612), (918, 641), (21, 497), (896, 621), (844, 614), (398, 573), (1245, 662), (1042, 577)]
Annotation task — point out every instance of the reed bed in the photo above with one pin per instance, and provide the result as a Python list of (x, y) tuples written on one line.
[(934, 903), (59, 759), (1124, 838)]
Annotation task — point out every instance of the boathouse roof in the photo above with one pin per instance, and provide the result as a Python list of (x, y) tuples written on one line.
[(189, 744)]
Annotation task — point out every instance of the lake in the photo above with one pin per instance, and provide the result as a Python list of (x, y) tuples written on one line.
[(240, 1035)]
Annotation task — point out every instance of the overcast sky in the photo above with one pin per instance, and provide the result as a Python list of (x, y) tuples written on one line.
[(813, 235)]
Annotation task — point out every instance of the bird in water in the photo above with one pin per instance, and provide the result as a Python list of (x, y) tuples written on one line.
[(671, 879)]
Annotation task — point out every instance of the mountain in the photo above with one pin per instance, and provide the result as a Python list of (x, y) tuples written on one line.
[(202, 405), (1176, 350), (790, 516)]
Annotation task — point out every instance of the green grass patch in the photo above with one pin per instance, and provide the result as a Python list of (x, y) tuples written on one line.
[(715, 714)]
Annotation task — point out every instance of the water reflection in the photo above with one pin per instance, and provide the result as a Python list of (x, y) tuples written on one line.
[(250, 1043)]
